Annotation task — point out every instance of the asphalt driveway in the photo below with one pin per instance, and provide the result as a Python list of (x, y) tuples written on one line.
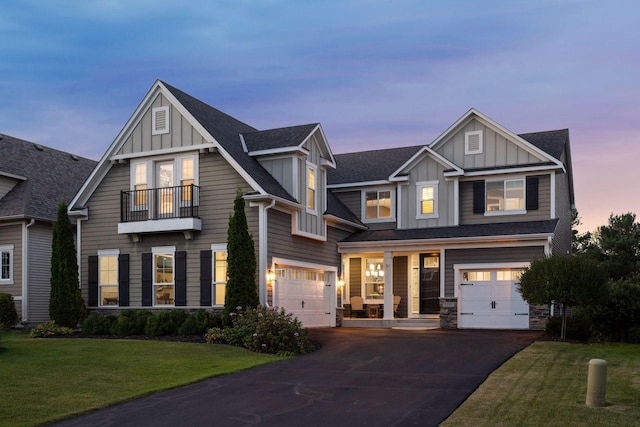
[(360, 377)]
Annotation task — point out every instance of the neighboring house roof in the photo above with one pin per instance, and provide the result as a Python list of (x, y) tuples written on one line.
[(551, 142), (51, 176), (288, 137), (458, 231), (369, 166)]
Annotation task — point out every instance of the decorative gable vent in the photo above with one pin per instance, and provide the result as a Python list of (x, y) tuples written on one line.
[(473, 142), (160, 119)]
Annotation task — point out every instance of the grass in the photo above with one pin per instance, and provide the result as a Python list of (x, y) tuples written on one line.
[(43, 380), (546, 385)]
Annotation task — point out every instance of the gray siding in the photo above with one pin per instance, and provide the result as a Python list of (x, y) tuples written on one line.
[(312, 222), (498, 151), (12, 235), (40, 237), (181, 133), (485, 255), (282, 170), (6, 184), (218, 182), (562, 237), (542, 213)]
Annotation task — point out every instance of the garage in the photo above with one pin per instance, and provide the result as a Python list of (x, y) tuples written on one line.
[(489, 299), (306, 293)]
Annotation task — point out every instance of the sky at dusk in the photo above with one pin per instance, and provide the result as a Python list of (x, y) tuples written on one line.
[(375, 74)]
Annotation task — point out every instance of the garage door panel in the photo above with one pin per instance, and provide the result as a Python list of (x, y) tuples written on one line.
[(308, 300)]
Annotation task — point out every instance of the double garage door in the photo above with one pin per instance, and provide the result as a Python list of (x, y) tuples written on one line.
[(306, 294), (489, 299)]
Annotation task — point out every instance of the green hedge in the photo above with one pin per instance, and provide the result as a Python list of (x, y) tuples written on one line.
[(8, 313)]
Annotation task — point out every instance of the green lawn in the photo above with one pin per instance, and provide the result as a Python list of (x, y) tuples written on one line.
[(42, 380), (546, 385)]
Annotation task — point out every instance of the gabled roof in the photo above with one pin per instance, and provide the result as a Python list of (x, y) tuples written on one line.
[(534, 228), (51, 176), (551, 142), (277, 139), (369, 166), (336, 208)]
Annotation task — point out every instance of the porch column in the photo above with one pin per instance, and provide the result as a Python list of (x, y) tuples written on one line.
[(388, 286)]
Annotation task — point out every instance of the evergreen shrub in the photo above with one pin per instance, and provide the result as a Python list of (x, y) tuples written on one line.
[(8, 313), (50, 329), (96, 324)]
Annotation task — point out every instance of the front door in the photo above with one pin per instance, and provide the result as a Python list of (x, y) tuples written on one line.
[(429, 284), (164, 185)]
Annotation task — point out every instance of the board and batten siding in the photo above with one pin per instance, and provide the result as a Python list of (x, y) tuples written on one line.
[(181, 133), (542, 213), (497, 151), (39, 265), (485, 256), (12, 235), (355, 277), (282, 244), (218, 184), (282, 170), (312, 222), (427, 170)]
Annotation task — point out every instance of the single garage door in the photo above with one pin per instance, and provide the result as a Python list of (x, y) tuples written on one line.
[(489, 299), (305, 294)]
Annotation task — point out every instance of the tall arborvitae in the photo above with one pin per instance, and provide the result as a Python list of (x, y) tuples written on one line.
[(66, 306), (242, 288)]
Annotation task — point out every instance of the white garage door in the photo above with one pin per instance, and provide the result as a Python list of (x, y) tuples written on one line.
[(488, 299), (305, 294)]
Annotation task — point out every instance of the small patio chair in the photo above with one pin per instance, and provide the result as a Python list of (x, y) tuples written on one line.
[(357, 306), (396, 304)]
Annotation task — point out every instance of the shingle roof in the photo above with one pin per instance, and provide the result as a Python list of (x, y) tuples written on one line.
[(52, 176), (291, 136), (551, 142), (336, 208), (458, 231), (226, 130), (366, 166)]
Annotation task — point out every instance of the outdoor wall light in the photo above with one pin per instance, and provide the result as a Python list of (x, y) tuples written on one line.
[(271, 277)]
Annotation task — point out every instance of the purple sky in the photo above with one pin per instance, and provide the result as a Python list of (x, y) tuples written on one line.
[(374, 73)]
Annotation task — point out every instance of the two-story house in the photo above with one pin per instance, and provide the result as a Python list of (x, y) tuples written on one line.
[(446, 227), (451, 224), (34, 179)]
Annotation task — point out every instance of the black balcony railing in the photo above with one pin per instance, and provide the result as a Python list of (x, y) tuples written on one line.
[(159, 203)]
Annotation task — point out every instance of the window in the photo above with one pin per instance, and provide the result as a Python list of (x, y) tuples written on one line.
[(311, 189), (507, 195), (160, 120), (219, 273), (139, 184), (476, 276), (509, 275), (374, 278), (108, 277), (427, 196), (377, 205), (163, 278), (6, 264), (473, 142), (186, 178)]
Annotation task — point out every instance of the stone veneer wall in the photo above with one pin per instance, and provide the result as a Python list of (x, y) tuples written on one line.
[(339, 316), (538, 316), (449, 313)]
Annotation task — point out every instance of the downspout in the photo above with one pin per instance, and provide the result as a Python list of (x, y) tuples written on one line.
[(25, 270), (262, 251), (79, 251)]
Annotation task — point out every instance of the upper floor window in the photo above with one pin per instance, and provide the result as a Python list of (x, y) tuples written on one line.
[(505, 196), (163, 276), (108, 277), (311, 188), (473, 143), (427, 197), (160, 120), (219, 253), (6, 264), (377, 205)]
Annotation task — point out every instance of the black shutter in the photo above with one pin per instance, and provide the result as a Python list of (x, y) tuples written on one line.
[(205, 278), (478, 197), (93, 281), (181, 279), (147, 279), (123, 280), (532, 193)]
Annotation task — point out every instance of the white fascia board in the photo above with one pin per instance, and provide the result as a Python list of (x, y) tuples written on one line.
[(337, 220), (263, 197), (357, 185), (425, 151), (162, 151), (332, 161), (280, 150), (12, 176), (458, 242), (510, 171)]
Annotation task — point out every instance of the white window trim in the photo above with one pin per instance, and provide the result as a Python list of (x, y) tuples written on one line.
[(467, 150), (363, 287), (314, 168), (102, 253), (154, 113), (9, 249), (216, 247), (363, 197), (419, 186), (512, 211), (163, 250)]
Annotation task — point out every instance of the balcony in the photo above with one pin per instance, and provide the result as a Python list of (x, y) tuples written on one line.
[(158, 210)]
